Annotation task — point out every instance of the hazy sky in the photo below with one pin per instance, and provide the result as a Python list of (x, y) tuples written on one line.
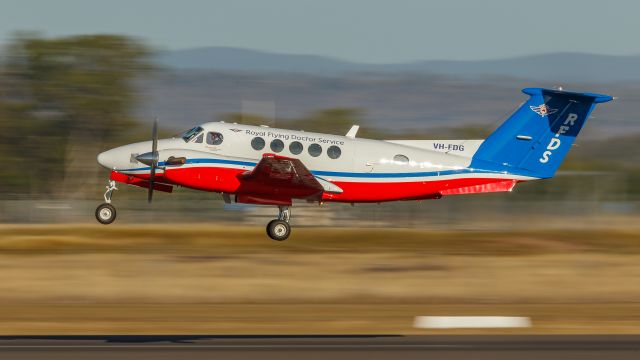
[(359, 30)]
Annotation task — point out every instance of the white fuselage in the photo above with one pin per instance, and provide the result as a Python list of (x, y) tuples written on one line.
[(410, 162)]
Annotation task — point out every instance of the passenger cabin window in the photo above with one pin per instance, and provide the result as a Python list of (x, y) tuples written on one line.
[(334, 152), (315, 150), (214, 138), (295, 147), (401, 159), (277, 145), (257, 143)]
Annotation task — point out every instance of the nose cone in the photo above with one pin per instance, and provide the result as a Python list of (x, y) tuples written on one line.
[(128, 157), (107, 159)]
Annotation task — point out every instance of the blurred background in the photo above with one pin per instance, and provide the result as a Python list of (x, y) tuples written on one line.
[(70, 89), (80, 77)]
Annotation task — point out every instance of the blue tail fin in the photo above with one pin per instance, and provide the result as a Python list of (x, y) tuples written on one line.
[(537, 137)]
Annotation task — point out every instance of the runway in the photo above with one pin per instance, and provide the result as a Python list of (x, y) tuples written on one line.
[(311, 347)]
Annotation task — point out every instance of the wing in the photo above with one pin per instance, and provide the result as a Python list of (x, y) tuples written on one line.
[(281, 176), (278, 179)]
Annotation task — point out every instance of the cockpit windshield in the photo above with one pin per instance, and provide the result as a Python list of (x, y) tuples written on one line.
[(190, 134)]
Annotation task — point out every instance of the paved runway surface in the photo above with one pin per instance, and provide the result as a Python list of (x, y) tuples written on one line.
[(310, 347)]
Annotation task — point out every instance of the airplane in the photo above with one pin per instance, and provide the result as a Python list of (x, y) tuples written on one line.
[(268, 166)]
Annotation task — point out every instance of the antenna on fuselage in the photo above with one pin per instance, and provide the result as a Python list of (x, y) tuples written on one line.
[(351, 134)]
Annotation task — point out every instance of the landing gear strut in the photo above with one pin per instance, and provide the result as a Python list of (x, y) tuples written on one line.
[(279, 228), (106, 213)]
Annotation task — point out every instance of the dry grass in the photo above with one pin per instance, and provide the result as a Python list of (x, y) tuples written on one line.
[(195, 279), (194, 238)]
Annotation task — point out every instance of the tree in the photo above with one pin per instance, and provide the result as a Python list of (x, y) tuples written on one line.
[(64, 97)]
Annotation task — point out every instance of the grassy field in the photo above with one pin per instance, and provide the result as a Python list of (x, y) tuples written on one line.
[(223, 279)]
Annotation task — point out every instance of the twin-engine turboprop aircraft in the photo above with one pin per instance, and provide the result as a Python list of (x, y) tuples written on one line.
[(267, 166)]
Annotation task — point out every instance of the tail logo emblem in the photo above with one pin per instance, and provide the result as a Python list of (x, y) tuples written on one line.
[(543, 110)]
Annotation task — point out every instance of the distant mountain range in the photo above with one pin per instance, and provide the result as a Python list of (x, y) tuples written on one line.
[(206, 83), (554, 67)]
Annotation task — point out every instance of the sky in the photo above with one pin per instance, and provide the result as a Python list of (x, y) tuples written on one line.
[(370, 31)]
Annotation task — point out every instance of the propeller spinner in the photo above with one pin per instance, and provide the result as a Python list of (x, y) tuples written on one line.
[(151, 159)]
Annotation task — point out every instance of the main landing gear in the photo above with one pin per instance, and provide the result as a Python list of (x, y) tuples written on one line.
[(106, 213), (279, 229)]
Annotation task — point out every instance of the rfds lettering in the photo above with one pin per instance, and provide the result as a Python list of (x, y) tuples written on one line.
[(555, 142)]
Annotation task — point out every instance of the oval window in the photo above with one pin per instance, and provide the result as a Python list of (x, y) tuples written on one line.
[(277, 145), (214, 138), (295, 147), (401, 159), (334, 152), (257, 143), (315, 150)]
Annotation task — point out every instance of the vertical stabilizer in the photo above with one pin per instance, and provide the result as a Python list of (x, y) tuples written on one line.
[(536, 138)]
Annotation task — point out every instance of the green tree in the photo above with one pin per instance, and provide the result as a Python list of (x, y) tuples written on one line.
[(63, 97)]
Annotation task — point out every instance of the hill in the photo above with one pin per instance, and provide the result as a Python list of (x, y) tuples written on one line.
[(555, 67), (396, 102)]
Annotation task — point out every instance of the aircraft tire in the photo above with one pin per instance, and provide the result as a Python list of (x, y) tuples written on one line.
[(105, 214), (278, 230)]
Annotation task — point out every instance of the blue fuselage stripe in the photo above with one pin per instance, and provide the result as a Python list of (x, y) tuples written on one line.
[(332, 173)]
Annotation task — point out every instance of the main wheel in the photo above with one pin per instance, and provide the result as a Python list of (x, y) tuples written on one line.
[(278, 230), (105, 214)]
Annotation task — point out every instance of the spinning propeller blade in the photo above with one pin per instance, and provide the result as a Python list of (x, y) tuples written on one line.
[(154, 161)]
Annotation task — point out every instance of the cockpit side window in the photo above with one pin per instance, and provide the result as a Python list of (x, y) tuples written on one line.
[(199, 139), (191, 133)]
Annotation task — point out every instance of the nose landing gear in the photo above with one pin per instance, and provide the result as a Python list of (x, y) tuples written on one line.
[(279, 229), (106, 213)]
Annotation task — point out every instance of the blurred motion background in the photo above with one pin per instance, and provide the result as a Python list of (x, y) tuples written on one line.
[(64, 98), (78, 77)]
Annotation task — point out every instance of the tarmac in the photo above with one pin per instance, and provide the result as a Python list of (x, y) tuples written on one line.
[(310, 347)]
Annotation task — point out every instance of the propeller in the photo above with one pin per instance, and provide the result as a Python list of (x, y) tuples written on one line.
[(151, 159), (154, 161)]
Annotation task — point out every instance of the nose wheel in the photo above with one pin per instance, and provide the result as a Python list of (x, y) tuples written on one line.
[(105, 212), (279, 229)]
